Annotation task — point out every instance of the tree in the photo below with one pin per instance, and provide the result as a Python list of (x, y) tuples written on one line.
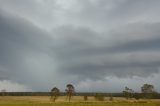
[(128, 93), (54, 94), (147, 90), (70, 90)]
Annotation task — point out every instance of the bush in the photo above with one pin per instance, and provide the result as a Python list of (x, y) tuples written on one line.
[(137, 96), (142, 102), (85, 98), (111, 98), (99, 97)]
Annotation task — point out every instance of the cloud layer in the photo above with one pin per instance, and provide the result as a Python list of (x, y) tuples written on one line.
[(85, 42), (10, 86)]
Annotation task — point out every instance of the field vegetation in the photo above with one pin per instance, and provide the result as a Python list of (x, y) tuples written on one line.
[(147, 97), (76, 101)]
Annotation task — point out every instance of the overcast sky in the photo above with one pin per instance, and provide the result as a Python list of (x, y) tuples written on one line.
[(96, 45)]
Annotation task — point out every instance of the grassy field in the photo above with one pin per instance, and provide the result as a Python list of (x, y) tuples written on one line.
[(76, 101)]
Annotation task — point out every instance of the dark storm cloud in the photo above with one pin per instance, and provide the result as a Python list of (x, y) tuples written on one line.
[(133, 57), (19, 41), (95, 40), (78, 50)]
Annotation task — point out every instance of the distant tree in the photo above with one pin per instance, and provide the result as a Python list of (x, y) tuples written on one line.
[(128, 93), (70, 91), (147, 88), (54, 94), (147, 91)]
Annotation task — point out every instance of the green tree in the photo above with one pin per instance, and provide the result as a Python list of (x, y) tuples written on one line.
[(54, 94), (70, 91), (128, 93), (147, 91)]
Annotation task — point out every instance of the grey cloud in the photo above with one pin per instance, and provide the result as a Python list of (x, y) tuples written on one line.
[(98, 39), (102, 15), (22, 46), (35, 11), (10, 86), (122, 58)]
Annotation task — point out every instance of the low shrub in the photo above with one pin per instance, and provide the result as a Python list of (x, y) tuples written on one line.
[(99, 97), (85, 98)]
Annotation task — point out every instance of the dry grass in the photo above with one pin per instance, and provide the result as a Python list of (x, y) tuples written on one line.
[(76, 101)]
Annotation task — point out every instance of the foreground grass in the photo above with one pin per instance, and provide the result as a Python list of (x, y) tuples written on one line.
[(84, 104), (76, 101)]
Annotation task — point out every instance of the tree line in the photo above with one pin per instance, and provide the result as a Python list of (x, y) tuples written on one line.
[(147, 92)]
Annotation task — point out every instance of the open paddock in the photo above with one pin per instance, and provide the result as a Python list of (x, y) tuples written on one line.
[(76, 101)]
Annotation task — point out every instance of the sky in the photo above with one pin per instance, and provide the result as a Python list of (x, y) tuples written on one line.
[(96, 45)]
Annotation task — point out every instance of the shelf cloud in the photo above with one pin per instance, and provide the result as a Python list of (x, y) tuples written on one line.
[(89, 43)]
